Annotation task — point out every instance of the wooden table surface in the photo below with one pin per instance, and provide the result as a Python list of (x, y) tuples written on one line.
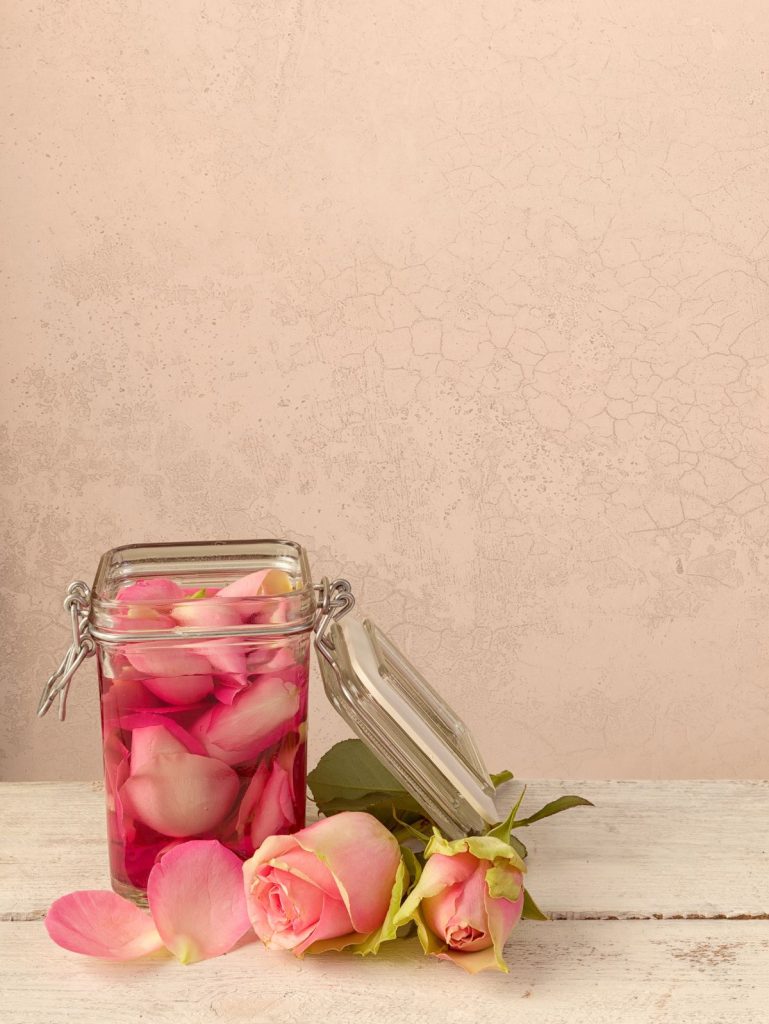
[(659, 897)]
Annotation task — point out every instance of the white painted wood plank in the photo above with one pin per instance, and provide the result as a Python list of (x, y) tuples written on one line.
[(580, 972), (652, 849), (647, 849)]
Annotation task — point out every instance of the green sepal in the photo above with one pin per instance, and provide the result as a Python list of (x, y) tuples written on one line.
[(503, 829), (501, 884), (483, 847), (197, 595), (531, 911)]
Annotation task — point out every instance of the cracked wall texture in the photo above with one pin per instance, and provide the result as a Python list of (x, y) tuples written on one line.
[(470, 299)]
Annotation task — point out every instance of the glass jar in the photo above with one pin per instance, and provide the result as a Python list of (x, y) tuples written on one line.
[(203, 657)]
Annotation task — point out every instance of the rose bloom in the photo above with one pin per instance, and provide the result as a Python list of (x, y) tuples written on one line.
[(327, 886), (467, 900)]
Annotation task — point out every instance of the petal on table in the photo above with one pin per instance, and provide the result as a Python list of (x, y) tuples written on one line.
[(197, 900), (180, 794), (258, 717), (180, 689), (101, 923)]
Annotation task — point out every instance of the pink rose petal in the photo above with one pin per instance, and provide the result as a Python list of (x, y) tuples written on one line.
[(275, 811), (246, 586), (227, 655), (367, 880), (258, 717), (157, 659), (206, 614), (158, 590), (180, 794), (102, 924), (180, 689), (197, 900), (251, 797), (269, 660), (152, 735), (143, 622)]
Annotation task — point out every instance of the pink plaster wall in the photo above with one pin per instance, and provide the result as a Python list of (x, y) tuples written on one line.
[(471, 299)]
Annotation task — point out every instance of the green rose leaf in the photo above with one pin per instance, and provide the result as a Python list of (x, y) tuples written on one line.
[(563, 803), (350, 778), (198, 594)]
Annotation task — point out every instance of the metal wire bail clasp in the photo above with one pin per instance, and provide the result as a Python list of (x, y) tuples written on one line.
[(335, 599), (78, 604)]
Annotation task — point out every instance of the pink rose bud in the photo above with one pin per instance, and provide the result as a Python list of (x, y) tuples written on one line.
[(332, 880), (469, 897)]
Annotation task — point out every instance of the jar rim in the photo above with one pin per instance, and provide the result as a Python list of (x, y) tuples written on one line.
[(197, 563)]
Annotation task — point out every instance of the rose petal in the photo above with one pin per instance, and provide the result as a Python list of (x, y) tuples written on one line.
[(274, 809), (103, 924), (143, 621), (157, 659), (180, 794), (180, 689), (227, 655), (158, 590), (152, 735), (334, 921), (457, 915), (197, 900), (208, 614), (269, 660), (246, 586), (362, 855), (258, 717), (251, 797)]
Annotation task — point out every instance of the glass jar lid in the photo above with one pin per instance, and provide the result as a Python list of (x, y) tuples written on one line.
[(407, 724)]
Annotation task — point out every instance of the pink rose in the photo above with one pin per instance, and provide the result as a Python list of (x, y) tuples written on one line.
[(467, 900), (334, 880)]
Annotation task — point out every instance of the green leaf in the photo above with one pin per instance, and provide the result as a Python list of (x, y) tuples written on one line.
[(350, 778), (563, 803), (498, 778), (197, 595), (413, 865), (531, 911), (502, 830)]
